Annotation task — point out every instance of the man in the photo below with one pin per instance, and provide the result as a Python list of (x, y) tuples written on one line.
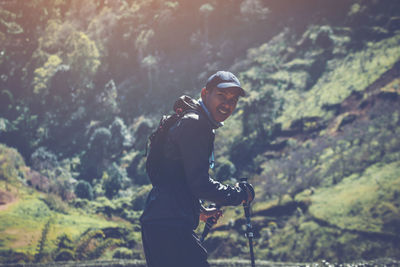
[(173, 206)]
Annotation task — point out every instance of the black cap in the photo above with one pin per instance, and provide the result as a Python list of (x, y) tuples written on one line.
[(224, 79)]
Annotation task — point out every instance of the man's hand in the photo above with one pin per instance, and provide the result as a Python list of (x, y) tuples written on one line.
[(212, 213), (249, 191)]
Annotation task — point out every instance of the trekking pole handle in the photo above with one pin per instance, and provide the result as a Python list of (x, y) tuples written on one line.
[(244, 181)]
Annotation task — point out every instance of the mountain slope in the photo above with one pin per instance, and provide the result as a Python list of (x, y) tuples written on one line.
[(83, 83)]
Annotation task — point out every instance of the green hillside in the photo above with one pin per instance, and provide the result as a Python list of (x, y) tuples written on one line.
[(83, 83), (36, 226)]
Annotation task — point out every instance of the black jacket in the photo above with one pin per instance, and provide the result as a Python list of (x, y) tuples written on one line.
[(185, 167)]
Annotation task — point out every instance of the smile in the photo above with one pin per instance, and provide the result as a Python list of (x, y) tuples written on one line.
[(223, 111)]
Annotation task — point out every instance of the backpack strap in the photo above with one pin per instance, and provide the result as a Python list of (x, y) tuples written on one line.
[(185, 104), (157, 139)]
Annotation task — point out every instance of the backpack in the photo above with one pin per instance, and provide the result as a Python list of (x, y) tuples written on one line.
[(157, 139)]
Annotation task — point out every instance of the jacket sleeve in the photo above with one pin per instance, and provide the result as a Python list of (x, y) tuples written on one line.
[(195, 138)]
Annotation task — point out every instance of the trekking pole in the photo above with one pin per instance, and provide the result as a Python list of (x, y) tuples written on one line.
[(249, 227), (209, 224)]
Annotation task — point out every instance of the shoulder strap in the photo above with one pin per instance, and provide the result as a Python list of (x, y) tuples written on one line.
[(185, 104)]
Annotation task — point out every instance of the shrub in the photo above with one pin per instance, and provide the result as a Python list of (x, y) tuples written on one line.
[(80, 203), (38, 181), (120, 137), (102, 246), (55, 203), (92, 161), (123, 253), (11, 256), (113, 181), (243, 151), (99, 142), (225, 169), (142, 129), (63, 184), (42, 159), (105, 206), (40, 254), (65, 249), (136, 170), (140, 197), (12, 165), (82, 249), (65, 255), (84, 190)]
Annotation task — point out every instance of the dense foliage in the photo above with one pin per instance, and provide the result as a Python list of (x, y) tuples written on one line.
[(83, 83)]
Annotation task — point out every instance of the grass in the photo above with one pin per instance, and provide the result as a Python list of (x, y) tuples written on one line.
[(361, 201), (353, 73), (22, 222), (25, 214), (392, 87)]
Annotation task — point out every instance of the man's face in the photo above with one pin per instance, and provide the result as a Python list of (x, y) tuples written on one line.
[(220, 102)]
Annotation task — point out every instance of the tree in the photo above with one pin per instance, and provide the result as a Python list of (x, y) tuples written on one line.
[(253, 10), (259, 112), (120, 137), (113, 181), (44, 74), (43, 161), (205, 11), (83, 57), (107, 105), (93, 161), (150, 63), (84, 190), (142, 42)]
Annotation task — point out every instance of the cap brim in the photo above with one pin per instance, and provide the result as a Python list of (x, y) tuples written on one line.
[(232, 85)]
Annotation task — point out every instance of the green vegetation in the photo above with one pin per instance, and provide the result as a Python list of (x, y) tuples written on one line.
[(29, 207), (359, 214), (363, 202), (339, 80), (50, 219), (12, 164), (83, 84)]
